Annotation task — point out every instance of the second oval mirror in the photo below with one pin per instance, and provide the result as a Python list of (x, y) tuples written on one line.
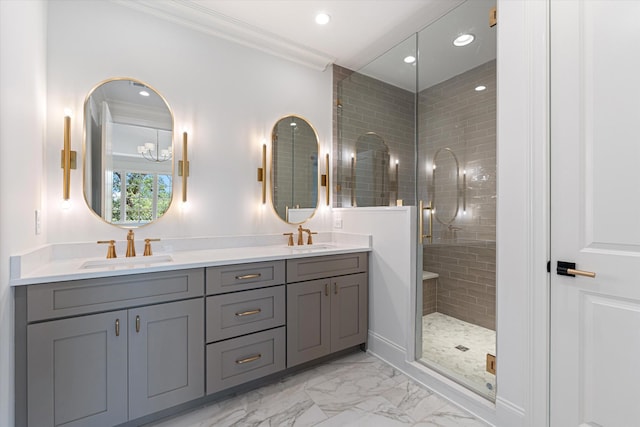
[(128, 153), (294, 169)]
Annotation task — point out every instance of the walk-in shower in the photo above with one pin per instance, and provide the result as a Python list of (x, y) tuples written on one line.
[(433, 121)]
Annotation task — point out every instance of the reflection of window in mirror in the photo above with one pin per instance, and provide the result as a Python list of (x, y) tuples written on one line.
[(140, 197)]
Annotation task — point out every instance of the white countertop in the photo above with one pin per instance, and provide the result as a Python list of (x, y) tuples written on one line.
[(74, 261)]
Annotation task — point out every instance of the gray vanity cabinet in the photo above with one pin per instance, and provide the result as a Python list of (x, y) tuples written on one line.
[(245, 323), (103, 367), (166, 356), (329, 314), (78, 371)]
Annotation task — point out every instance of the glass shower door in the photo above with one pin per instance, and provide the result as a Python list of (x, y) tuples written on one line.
[(456, 182)]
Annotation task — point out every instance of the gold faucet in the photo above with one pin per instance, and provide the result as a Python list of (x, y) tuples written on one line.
[(111, 250), (147, 246), (300, 231), (131, 246), (290, 240)]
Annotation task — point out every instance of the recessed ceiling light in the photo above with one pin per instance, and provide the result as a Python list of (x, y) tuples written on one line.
[(410, 59), (322, 18), (480, 88), (144, 93), (463, 39)]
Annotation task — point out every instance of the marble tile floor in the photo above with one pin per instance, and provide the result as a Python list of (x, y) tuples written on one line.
[(441, 334), (355, 390)]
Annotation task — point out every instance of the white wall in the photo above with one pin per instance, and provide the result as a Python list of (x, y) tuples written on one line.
[(22, 130), (227, 96)]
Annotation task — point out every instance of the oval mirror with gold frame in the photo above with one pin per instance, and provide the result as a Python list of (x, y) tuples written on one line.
[(294, 169), (127, 153)]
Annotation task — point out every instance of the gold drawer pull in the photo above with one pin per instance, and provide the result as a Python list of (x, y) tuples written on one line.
[(248, 313), (248, 276), (249, 359)]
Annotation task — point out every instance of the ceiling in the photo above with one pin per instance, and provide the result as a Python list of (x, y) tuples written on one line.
[(360, 31)]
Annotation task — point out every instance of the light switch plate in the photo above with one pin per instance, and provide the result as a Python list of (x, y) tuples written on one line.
[(337, 223)]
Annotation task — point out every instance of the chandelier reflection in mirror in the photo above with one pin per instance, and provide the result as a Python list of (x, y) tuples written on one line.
[(151, 151)]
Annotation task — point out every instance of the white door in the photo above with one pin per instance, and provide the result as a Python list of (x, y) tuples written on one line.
[(595, 212)]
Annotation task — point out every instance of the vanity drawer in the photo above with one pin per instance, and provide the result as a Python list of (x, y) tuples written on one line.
[(239, 360), (320, 267), (241, 313), (241, 277), (77, 297)]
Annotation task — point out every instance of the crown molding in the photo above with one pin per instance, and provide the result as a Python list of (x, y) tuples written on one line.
[(208, 21)]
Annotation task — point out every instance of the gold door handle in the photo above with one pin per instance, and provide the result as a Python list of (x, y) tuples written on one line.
[(248, 359), (248, 313), (117, 327), (137, 323), (569, 269), (248, 276), (421, 235), (590, 274)]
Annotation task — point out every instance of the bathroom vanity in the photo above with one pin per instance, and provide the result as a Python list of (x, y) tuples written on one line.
[(135, 341)]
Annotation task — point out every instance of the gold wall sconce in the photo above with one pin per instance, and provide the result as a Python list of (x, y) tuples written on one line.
[(353, 179), (262, 174), (324, 178), (421, 209), (68, 157), (183, 167)]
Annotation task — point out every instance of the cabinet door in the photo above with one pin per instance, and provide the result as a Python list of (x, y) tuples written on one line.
[(349, 313), (166, 355), (77, 371), (308, 326)]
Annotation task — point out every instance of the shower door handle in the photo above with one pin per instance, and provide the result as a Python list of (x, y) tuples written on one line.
[(569, 269), (421, 209)]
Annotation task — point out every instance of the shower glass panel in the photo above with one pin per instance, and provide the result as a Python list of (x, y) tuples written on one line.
[(456, 152), (410, 130)]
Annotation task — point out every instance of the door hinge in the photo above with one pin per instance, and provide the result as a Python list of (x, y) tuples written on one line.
[(493, 17), (491, 363)]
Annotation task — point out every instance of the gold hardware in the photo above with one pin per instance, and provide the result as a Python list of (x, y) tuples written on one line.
[(290, 240), (335, 288), (326, 289), (324, 178), (248, 313), (303, 230), (117, 327), (309, 239), (111, 250), (493, 17), (137, 323), (147, 246), (249, 359), (262, 172), (68, 159), (421, 209), (248, 276), (583, 273), (131, 246), (183, 167), (353, 180), (491, 364)]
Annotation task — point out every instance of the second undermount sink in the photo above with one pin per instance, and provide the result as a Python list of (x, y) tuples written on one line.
[(139, 261), (314, 247)]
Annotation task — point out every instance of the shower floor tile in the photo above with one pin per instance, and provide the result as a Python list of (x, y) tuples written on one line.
[(459, 349)]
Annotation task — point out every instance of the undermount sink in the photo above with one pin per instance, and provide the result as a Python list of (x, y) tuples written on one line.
[(140, 261), (314, 247)]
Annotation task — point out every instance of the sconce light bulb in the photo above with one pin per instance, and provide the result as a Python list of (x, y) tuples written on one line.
[(397, 161), (352, 155), (65, 204), (67, 112), (464, 171)]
